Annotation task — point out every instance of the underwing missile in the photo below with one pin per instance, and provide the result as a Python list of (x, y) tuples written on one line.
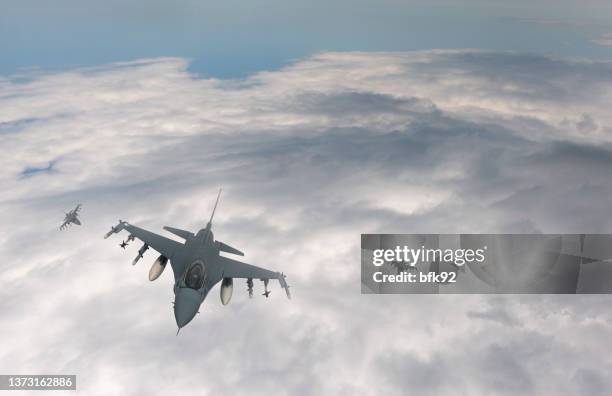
[(140, 253)]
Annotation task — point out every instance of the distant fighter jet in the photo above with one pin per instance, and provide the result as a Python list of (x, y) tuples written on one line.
[(71, 218), (123, 244), (197, 266)]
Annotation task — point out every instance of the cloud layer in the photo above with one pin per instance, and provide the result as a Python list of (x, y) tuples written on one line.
[(309, 156)]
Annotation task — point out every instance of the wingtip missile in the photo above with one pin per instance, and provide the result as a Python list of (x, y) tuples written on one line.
[(112, 231), (115, 229), (288, 292), (283, 284)]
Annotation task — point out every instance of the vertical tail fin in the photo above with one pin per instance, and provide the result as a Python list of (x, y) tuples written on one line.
[(209, 225)]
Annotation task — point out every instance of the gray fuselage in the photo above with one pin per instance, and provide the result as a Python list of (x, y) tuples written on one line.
[(195, 274)]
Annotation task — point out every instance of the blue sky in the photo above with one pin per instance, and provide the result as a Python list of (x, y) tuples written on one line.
[(233, 39)]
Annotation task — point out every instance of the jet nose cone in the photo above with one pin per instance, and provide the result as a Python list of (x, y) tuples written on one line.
[(186, 305), (183, 316)]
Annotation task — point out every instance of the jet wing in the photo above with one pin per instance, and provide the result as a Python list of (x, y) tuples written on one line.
[(237, 269), (163, 245)]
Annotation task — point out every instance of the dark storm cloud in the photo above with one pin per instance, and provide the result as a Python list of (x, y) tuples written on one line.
[(309, 157)]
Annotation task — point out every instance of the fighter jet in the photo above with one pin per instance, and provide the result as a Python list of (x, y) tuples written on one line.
[(123, 244), (198, 266), (71, 218)]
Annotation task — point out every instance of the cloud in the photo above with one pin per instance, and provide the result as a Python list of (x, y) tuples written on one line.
[(560, 23), (603, 40), (309, 157), (497, 315)]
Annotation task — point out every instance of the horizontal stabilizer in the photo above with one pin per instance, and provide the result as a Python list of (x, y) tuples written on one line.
[(228, 249), (178, 232)]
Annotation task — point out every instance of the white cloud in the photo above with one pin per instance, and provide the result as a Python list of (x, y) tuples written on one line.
[(604, 40), (310, 156)]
